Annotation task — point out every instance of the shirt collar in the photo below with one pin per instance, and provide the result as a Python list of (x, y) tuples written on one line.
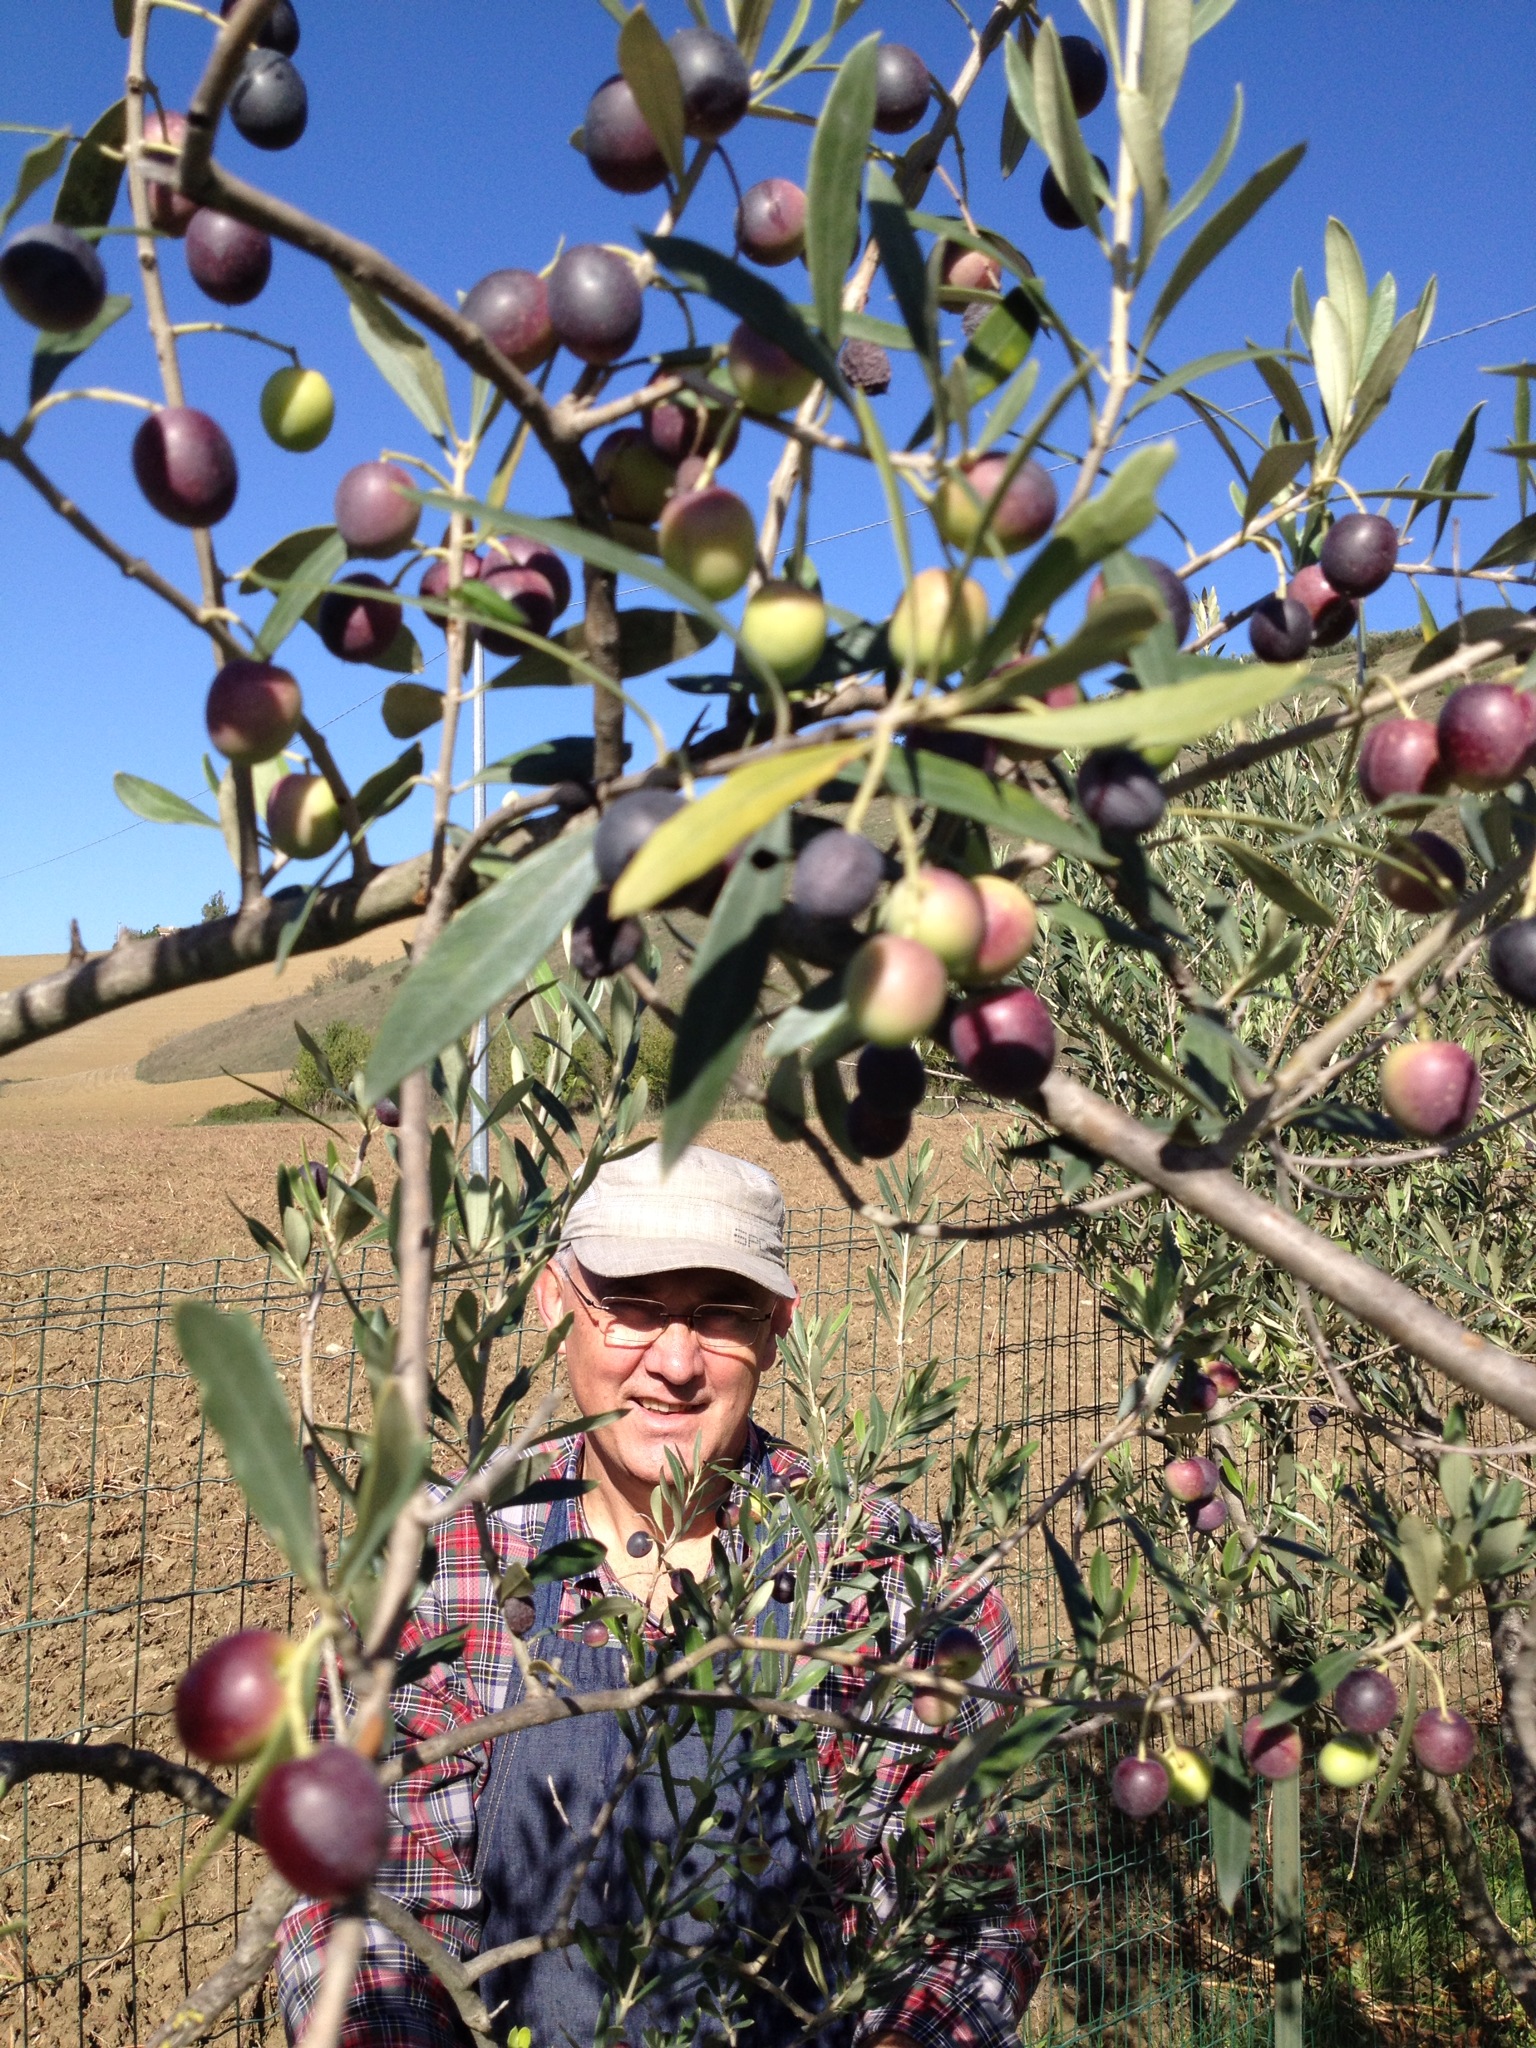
[(756, 1466)]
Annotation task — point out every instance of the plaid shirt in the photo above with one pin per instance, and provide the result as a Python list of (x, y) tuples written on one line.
[(970, 1993)]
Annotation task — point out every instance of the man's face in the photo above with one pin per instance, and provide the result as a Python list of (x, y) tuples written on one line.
[(680, 1393)]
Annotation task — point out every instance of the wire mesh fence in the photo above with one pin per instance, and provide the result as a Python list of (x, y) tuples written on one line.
[(124, 1547)]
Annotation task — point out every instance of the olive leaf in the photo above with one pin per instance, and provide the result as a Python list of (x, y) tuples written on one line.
[(246, 1408), (699, 836), (401, 356), (835, 180), (651, 73), (159, 806)]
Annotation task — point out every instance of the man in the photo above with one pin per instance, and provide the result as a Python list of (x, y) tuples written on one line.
[(677, 1292)]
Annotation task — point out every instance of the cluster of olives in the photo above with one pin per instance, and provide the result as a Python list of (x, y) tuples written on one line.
[(1195, 1481), (254, 707), (1087, 72), (1483, 739), (935, 926), (1321, 603), (1365, 1703), (323, 1817), (717, 91), (53, 278)]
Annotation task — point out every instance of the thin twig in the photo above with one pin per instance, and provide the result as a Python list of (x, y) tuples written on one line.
[(346, 1940), (1236, 759), (133, 566)]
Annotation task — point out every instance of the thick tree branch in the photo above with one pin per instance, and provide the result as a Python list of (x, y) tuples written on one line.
[(1475, 1908), (112, 1763), (205, 952), (1379, 1300), (241, 1971), (141, 968), (143, 1770)]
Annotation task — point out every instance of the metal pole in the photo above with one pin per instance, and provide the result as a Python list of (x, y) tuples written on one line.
[(480, 1068)]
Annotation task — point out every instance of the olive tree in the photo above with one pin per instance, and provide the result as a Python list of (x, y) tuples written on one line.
[(1161, 915)]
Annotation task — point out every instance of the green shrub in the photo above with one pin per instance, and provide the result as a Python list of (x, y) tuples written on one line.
[(584, 1077), (346, 1047), (256, 1111), (653, 1063), (340, 973)]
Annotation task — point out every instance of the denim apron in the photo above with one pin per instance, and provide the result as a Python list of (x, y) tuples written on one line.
[(543, 1792)]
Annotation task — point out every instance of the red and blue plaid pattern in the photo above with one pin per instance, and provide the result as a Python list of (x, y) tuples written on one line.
[(970, 1993)]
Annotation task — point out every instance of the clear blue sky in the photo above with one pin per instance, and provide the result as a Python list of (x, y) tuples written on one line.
[(440, 134)]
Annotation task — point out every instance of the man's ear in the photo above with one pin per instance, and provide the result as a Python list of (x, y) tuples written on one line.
[(549, 1296), (784, 1313)]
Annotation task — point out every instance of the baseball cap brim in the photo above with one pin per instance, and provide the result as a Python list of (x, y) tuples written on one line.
[(629, 1258)]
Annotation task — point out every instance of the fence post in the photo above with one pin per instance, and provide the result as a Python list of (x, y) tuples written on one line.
[(1287, 1903), (1287, 1909), (480, 1043)]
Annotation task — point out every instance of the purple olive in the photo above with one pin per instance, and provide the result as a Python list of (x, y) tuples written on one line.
[(1512, 959), (902, 86), (837, 874), (1421, 872), (1485, 731), (1087, 72), (770, 222), (1359, 553), (185, 466), (1139, 1786), (717, 85), (1399, 757), (1280, 629), (374, 516), (280, 30), (52, 278), (876, 1133), (595, 303), (622, 151), (1004, 1041), (226, 258), (269, 104), (359, 628), (511, 309), (1444, 1743), (1366, 1701), (1120, 792)]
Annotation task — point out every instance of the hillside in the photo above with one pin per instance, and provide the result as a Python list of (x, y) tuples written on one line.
[(91, 1075), (261, 1038)]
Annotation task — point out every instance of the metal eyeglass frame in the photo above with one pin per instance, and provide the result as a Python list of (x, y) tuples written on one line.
[(759, 1317)]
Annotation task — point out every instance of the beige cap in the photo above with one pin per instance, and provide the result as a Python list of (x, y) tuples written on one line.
[(708, 1210)]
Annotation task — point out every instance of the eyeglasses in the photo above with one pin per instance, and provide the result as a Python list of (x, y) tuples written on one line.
[(630, 1322)]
